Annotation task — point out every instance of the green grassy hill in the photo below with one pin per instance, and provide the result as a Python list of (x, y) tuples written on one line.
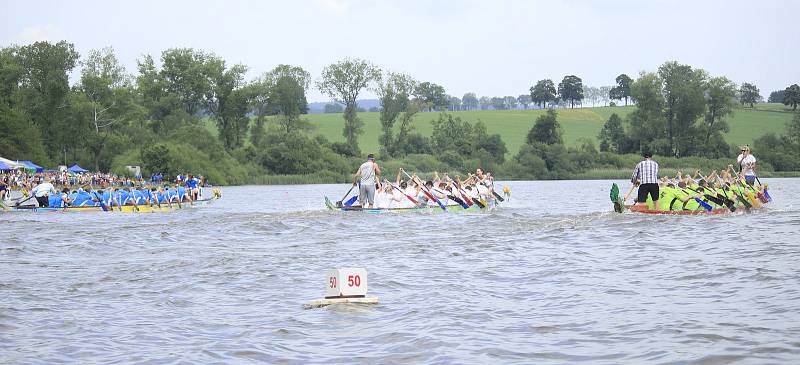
[(513, 125)]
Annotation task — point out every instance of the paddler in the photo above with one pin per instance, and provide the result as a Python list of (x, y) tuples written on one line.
[(42, 191), (646, 173), (369, 172)]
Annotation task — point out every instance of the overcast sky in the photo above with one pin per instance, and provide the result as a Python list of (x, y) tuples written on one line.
[(492, 48)]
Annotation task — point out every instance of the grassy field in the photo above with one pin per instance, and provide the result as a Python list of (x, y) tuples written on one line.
[(513, 125)]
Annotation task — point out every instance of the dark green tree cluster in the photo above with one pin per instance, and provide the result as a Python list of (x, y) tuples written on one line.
[(462, 145), (570, 90), (680, 111), (154, 118)]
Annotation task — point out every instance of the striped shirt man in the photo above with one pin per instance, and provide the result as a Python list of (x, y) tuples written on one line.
[(646, 172)]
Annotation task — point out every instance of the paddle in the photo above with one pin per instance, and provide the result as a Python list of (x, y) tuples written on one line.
[(416, 203), (495, 194), (718, 201), (703, 204), (339, 203), (453, 198), (715, 199), (766, 192), (464, 195), (427, 192), (743, 189), (102, 203), (350, 201), (22, 201)]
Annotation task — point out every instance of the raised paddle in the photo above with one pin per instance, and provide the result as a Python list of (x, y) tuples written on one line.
[(496, 195), (416, 203), (465, 196), (427, 192), (453, 198), (743, 189)]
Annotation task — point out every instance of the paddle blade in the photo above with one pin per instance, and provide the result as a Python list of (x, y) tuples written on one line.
[(350, 201), (703, 204), (614, 194), (497, 196)]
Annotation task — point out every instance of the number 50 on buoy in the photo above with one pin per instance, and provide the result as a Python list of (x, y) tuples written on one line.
[(347, 282)]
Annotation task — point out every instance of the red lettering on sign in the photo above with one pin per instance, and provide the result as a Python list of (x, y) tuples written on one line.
[(332, 281), (354, 280)]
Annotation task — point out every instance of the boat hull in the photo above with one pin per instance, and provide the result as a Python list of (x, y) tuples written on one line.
[(123, 209), (427, 209), (644, 210)]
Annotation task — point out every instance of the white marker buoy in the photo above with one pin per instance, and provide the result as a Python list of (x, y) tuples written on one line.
[(344, 285)]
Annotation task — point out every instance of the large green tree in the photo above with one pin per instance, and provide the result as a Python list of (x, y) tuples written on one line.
[(394, 91), (543, 92), (683, 89), (186, 74), (343, 81), (791, 96), (612, 136), (43, 89), (106, 102), (720, 99), (623, 88), (647, 127), (432, 95), (228, 101), (571, 89), (749, 94), (546, 130), (289, 99)]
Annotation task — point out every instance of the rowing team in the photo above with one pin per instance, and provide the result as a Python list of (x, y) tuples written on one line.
[(47, 196), (414, 192), (715, 191)]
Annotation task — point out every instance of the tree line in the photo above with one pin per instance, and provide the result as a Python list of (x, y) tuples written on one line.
[(155, 117)]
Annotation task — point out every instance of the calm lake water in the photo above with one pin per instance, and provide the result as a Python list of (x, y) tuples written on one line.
[(552, 276)]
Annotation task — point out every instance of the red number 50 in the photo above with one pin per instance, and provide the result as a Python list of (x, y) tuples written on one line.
[(354, 280), (332, 281)]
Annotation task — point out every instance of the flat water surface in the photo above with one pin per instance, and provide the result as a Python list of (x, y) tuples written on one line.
[(552, 276)]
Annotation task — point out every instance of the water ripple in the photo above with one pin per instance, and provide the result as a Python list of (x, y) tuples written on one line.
[(536, 281)]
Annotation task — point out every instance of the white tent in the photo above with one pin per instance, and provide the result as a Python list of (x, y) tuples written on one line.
[(12, 164)]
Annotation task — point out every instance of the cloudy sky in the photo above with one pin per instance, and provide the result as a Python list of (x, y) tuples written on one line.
[(491, 48)]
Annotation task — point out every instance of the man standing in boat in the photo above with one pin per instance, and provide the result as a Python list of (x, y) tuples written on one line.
[(646, 174), (747, 165), (369, 172)]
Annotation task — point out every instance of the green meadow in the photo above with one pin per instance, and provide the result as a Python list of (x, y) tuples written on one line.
[(513, 125)]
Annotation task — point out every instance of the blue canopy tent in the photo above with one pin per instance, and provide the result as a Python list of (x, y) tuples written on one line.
[(4, 167), (32, 165), (76, 169)]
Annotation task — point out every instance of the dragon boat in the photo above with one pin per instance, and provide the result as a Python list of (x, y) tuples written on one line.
[(713, 202), (488, 205), (164, 207)]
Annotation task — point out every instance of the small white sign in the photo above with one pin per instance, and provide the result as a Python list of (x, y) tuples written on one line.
[(346, 282)]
